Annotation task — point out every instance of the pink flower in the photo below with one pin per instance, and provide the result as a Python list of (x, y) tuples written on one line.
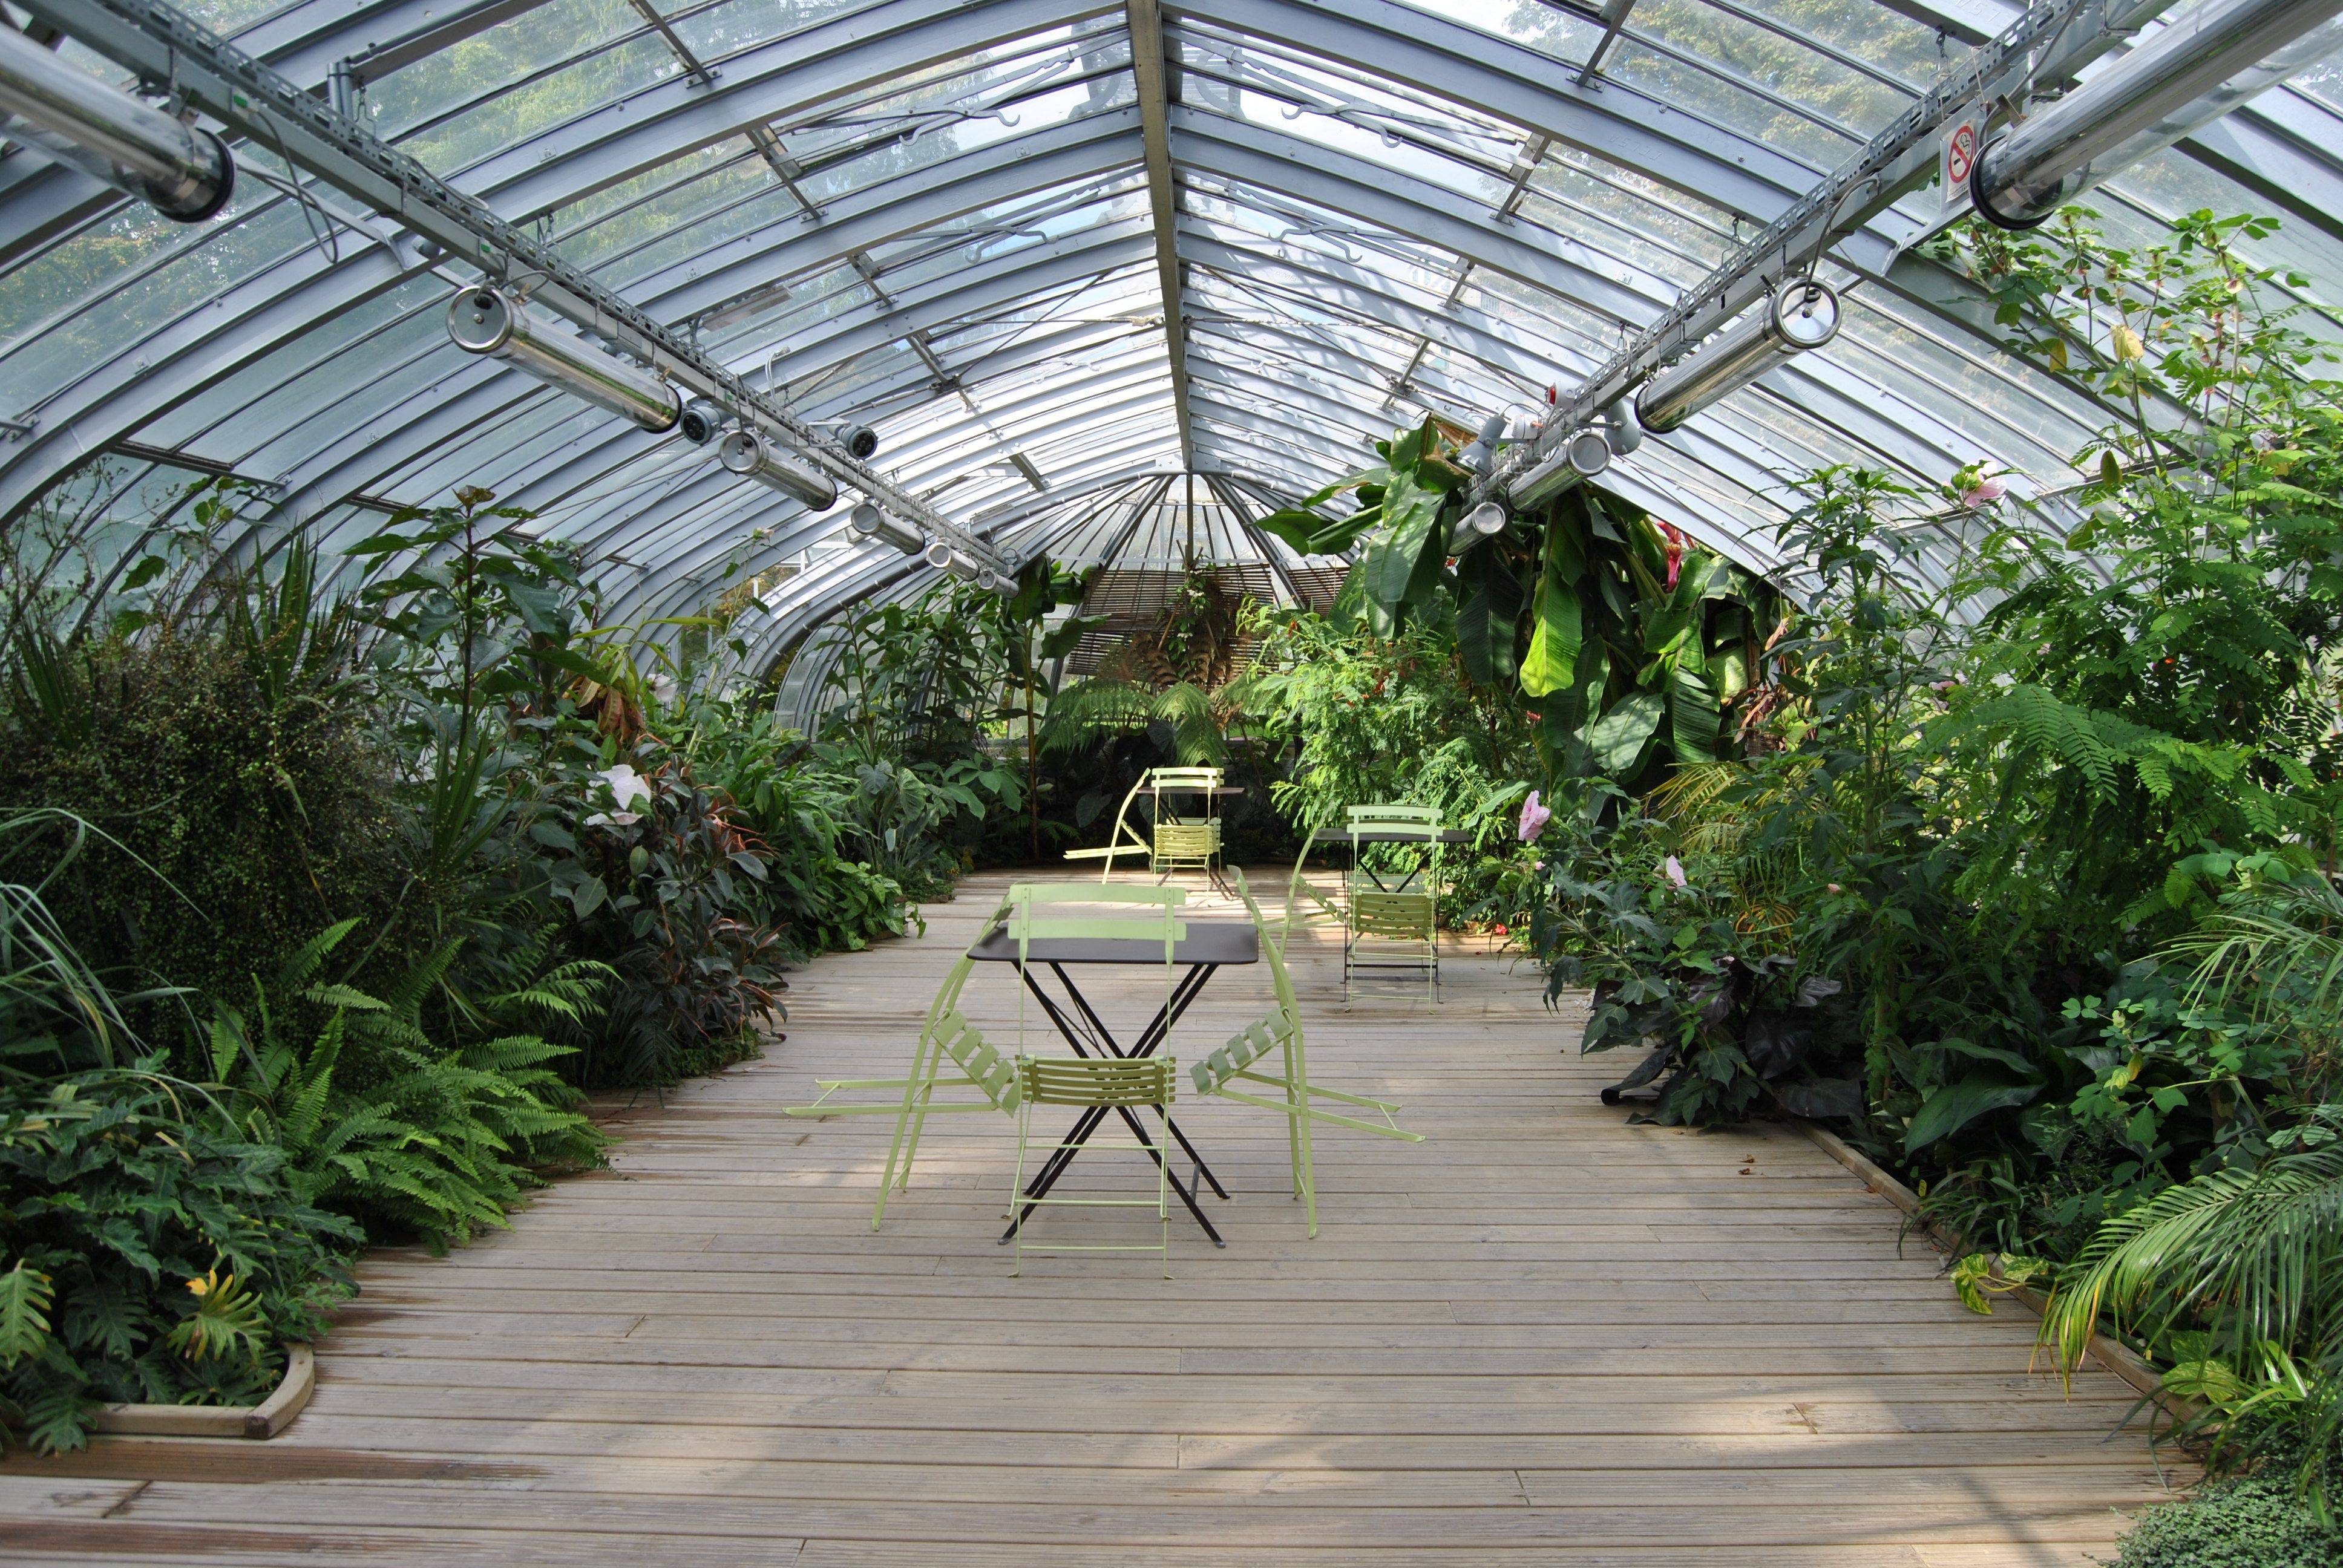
[(1534, 818), (1988, 488), (1675, 869)]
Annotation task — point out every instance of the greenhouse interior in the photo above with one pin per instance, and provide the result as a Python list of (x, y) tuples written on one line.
[(615, 615)]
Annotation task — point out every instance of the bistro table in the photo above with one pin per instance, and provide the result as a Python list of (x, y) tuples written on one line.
[(1382, 836), (1207, 945)]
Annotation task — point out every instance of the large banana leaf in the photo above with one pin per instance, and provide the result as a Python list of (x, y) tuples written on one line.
[(1619, 739), (1694, 717), (1558, 629), (1488, 620), (1391, 563)]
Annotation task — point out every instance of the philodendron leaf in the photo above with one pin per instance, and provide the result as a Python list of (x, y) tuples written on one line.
[(1955, 1105), (1617, 740)]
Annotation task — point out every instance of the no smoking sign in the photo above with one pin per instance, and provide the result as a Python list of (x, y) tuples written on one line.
[(1960, 158)]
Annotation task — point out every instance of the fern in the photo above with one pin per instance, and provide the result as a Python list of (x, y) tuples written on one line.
[(25, 1297)]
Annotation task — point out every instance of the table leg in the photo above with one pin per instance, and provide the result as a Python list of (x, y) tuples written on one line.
[(1151, 1040), (1079, 1134)]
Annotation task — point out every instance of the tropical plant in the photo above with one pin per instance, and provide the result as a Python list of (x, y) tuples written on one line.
[(155, 1253)]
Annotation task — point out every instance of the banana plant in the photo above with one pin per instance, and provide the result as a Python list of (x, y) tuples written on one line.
[(1636, 643)]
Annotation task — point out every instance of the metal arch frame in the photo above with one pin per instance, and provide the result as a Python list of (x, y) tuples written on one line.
[(245, 94), (1414, 19)]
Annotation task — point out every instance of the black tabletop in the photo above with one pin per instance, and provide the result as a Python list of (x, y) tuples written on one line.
[(1390, 836), (1207, 942)]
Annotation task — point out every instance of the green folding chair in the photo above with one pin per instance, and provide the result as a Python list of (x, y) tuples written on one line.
[(1177, 840), (1239, 1061), (1094, 1082), (1392, 928), (1185, 840)]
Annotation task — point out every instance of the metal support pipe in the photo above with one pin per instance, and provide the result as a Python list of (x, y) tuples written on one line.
[(1485, 521), (1797, 317), (2203, 64), (494, 322), (752, 455), (71, 116)]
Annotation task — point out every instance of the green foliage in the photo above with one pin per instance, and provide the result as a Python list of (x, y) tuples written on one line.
[(2255, 1522), (156, 1252), (424, 1140)]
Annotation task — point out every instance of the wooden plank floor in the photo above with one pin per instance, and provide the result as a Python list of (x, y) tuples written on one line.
[(1542, 1337)]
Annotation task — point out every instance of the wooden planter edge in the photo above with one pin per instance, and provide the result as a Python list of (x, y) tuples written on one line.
[(265, 1419), (2117, 1358)]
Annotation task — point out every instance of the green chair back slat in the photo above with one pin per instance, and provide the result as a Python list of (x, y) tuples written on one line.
[(1096, 1083), (1097, 1080), (1401, 917)]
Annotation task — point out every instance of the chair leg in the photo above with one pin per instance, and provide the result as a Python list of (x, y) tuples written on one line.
[(1017, 1191), (1297, 1091), (901, 1172)]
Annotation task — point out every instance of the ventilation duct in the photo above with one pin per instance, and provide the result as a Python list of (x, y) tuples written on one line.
[(869, 521), (2198, 67), (492, 322), (751, 454), (71, 116), (1796, 318)]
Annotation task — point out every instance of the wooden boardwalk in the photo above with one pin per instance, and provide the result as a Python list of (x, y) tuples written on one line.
[(1542, 1337)]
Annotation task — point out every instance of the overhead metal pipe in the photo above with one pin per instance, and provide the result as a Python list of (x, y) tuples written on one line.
[(1485, 521), (869, 521), (1621, 430), (497, 323), (71, 116), (1798, 317), (958, 563), (2198, 67), (753, 455)]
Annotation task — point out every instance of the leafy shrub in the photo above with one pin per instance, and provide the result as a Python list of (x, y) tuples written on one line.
[(238, 817), (157, 1253), (2254, 1522)]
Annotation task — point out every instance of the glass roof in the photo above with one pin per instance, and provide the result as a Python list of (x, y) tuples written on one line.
[(937, 219)]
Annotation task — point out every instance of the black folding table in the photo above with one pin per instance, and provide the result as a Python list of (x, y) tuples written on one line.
[(1207, 946)]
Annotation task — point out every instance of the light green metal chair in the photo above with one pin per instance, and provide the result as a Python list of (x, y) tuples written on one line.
[(1239, 1061), (1178, 839), (1392, 928), (1094, 1083), (1186, 840)]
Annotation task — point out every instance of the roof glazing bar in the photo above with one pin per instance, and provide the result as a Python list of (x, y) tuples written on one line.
[(1146, 24)]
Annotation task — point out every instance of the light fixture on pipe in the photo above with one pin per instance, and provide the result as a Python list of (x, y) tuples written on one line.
[(1485, 521), (1476, 457), (861, 441), (958, 562), (71, 116), (1588, 452), (1795, 317), (869, 521), (702, 420), (494, 322), (2203, 62), (1622, 431), (991, 581), (754, 455)]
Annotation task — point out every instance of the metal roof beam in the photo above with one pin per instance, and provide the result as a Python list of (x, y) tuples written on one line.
[(1146, 24)]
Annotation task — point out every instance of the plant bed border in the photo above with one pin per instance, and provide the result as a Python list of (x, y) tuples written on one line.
[(265, 1419), (2117, 1358)]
